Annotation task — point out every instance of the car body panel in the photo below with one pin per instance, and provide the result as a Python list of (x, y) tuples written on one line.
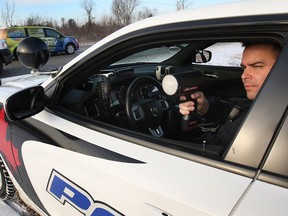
[(133, 176), (261, 200), (25, 81), (13, 84)]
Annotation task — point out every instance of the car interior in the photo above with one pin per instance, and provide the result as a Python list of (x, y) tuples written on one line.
[(126, 94)]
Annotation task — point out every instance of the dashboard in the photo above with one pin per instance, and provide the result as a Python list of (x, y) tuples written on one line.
[(103, 95)]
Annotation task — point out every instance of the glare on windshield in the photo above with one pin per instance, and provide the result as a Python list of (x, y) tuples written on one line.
[(152, 55)]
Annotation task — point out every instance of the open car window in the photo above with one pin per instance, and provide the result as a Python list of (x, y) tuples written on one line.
[(128, 93)]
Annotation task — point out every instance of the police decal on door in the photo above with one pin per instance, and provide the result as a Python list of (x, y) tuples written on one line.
[(65, 191)]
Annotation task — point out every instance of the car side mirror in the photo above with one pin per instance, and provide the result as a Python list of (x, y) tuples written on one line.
[(25, 103), (202, 56)]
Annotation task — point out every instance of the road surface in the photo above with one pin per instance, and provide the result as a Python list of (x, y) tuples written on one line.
[(54, 62)]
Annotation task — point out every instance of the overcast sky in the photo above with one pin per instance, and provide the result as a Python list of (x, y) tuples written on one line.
[(56, 9)]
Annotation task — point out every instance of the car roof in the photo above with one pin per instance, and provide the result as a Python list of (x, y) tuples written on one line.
[(225, 10)]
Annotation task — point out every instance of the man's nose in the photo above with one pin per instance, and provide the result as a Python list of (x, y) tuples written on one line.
[(246, 73)]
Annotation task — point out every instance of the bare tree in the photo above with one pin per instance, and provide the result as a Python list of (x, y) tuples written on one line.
[(108, 25), (7, 12), (88, 6), (183, 4), (35, 20), (146, 13), (123, 10), (63, 22)]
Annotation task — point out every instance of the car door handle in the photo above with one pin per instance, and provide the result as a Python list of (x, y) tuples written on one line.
[(211, 75), (150, 210)]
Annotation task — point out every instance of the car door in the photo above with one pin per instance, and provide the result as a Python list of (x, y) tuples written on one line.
[(85, 166), (97, 171), (57, 38), (39, 33)]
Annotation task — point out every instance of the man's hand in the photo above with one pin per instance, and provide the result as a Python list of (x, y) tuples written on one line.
[(202, 104)]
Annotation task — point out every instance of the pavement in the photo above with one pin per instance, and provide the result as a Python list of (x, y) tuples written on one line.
[(14, 208), (7, 210)]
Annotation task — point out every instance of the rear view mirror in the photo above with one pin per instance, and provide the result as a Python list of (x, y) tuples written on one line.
[(25, 103), (202, 56)]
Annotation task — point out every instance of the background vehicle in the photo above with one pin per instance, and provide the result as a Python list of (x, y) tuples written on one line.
[(5, 55), (101, 137), (56, 41)]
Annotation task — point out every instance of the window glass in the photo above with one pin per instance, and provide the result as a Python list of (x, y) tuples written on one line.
[(52, 33), (36, 32), (225, 54), (153, 55), (16, 33)]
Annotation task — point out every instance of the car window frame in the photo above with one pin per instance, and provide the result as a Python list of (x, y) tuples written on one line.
[(277, 159), (274, 168)]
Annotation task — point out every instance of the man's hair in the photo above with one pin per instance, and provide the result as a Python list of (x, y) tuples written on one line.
[(277, 48)]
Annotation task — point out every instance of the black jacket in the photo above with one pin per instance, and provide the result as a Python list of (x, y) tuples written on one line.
[(228, 121)]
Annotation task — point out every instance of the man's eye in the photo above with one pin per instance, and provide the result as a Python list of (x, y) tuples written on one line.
[(257, 66)]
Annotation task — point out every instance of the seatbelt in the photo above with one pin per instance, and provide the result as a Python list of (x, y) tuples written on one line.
[(233, 114)]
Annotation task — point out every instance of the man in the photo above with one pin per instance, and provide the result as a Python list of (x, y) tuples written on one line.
[(257, 61)]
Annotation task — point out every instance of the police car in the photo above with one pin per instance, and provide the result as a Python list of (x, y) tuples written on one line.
[(101, 137)]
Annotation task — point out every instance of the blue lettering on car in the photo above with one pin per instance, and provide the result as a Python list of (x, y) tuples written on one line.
[(66, 191)]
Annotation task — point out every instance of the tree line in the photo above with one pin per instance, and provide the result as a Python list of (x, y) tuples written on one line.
[(123, 12)]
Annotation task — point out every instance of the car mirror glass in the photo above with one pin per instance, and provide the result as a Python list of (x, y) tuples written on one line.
[(25, 103), (202, 56)]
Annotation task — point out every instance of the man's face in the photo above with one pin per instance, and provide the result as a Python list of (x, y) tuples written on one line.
[(257, 61)]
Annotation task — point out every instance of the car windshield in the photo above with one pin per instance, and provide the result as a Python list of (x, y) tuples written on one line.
[(153, 55)]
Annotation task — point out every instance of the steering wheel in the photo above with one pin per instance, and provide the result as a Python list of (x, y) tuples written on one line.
[(148, 108)]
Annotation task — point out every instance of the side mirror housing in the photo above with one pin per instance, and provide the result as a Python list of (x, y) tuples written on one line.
[(25, 103)]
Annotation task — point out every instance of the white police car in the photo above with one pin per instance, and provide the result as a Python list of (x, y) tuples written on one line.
[(101, 137)]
